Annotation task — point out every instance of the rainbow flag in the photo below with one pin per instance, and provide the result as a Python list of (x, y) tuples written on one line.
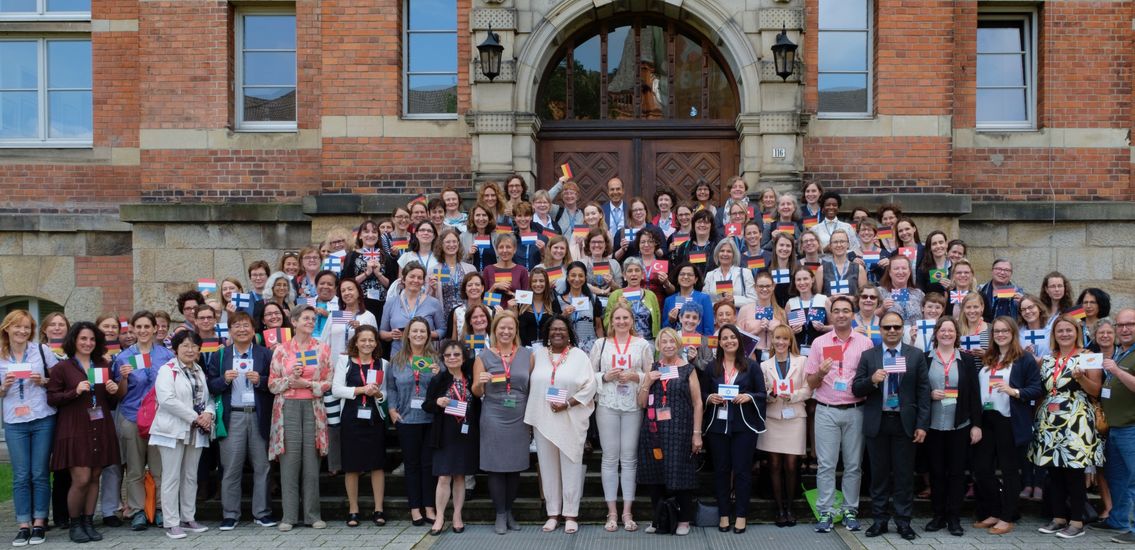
[(697, 258), (419, 198), (951, 393)]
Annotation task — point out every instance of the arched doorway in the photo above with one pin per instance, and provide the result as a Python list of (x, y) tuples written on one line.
[(640, 97)]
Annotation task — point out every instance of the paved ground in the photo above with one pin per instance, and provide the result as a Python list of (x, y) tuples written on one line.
[(1024, 537)]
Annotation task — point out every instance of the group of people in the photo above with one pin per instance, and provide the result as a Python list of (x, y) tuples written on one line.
[(763, 329)]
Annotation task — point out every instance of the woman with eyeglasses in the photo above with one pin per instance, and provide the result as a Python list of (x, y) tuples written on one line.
[(369, 265), (445, 280), (1008, 382), (310, 262), (599, 257), (1056, 295), (961, 274), (1034, 328), (703, 197), (398, 240), (421, 248), (271, 317), (1097, 305), (761, 317), (684, 215), (786, 222), (624, 238), (698, 250), (1066, 441), (454, 433), (642, 303), (842, 274), (689, 279), (647, 244)]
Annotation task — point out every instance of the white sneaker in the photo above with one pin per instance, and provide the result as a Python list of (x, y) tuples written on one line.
[(175, 533), (319, 525)]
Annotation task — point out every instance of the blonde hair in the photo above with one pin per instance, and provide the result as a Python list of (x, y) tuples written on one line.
[(623, 304), (13, 317), (671, 333)]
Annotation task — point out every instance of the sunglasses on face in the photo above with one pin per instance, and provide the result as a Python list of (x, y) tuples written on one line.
[(891, 327)]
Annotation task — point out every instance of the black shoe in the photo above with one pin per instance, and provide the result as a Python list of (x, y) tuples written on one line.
[(723, 529), (78, 534), (739, 530), (906, 532), (39, 534), (23, 536), (876, 529), (418, 522), (435, 532), (936, 524), (789, 517), (88, 524), (111, 521), (954, 526)]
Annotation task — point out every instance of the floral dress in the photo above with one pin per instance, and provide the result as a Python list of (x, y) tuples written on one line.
[(282, 360), (1065, 420)]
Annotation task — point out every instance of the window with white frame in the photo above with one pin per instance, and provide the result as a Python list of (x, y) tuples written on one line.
[(844, 68), (45, 92), (45, 9), (430, 64), (266, 70), (1006, 71)]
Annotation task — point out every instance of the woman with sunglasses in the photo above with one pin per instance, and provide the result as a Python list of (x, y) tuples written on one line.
[(454, 433)]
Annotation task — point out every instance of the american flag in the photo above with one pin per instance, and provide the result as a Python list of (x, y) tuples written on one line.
[(797, 317), (342, 317), (668, 372), (457, 407), (557, 395), (896, 365)]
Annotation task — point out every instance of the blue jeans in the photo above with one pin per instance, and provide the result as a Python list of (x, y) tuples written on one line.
[(29, 446), (1120, 454)]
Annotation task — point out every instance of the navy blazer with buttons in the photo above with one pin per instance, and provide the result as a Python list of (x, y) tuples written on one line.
[(1025, 376), (749, 416), (261, 363)]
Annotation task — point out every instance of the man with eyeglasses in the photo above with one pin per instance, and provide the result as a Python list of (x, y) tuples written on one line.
[(839, 415), (1118, 399), (1002, 297), (894, 379)]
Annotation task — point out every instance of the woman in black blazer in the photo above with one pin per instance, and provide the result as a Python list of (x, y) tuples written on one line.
[(1007, 423), (735, 414), (955, 424), (454, 437)]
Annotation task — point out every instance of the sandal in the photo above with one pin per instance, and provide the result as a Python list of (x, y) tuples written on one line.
[(628, 523), (570, 526), (551, 525), (353, 519), (379, 518), (612, 523)]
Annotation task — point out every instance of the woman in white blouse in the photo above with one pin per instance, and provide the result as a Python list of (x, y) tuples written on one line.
[(727, 257), (619, 361)]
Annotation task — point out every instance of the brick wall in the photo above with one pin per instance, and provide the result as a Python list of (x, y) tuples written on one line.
[(111, 274), (229, 175)]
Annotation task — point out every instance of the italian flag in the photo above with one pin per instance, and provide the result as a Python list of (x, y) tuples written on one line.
[(98, 376), (140, 361)]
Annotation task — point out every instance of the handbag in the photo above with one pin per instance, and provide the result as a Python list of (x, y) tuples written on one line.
[(706, 515), (1101, 418)]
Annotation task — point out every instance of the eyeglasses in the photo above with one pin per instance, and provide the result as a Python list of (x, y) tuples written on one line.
[(868, 297), (1001, 331), (1003, 269), (890, 328), (453, 354), (1125, 325), (208, 318)]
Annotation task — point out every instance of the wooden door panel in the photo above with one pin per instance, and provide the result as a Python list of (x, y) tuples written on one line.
[(676, 165), (593, 162)]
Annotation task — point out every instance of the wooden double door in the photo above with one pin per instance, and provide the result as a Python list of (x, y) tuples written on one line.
[(645, 163)]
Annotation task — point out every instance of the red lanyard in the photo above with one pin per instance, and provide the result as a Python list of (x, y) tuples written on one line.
[(618, 351), (844, 353), (417, 381), (508, 367), (556, 363), (459, 390), (1058, 369), (947, 365), (729, 380)]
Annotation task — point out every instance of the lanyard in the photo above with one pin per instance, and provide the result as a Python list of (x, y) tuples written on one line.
[(417, 381), (363, 370), (25, 360), (1117, 357), (425, 262), (406, 305), (844, 352), (618, 351), (557, 362), (841, 274), (458, 392), (507, 364), (730, 379), (1058, 369), (947, 365), (538, 315)]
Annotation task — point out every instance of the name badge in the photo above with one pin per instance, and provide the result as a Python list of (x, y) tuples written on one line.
[(663, 413), (464, 428), (723, 413), (805, 350), (94, 413), (247, 397), (1105, 393), (1053, 407), (22, 410), (950, 401), (416, 402), (893, 401), (840, 385), (787, 413), (374, 294), (987, 406), (728, 391), (508, 403), (364, 414)]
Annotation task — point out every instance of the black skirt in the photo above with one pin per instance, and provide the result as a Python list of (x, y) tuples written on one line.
[(362, 441)]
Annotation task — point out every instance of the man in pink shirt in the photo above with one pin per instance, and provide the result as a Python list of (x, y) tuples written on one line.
[(838, 417)]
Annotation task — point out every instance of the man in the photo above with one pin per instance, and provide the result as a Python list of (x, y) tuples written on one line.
[(896, 415), (997, 306), (614, 210), (830, 203), (839, 414), (239, 374), (1118, 400)]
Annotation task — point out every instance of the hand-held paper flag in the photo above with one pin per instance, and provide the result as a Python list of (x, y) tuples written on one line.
[(894, 365), (342, 317), (668, 372), (956, 296), (98, 375), (308, 358), (1005, 293), (492, 299), (565, 169), (558, 396), (206, 285), (457, 408), (275, 336), (242, 301)]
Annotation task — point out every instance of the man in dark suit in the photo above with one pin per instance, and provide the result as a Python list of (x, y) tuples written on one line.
[(896, 416), (239, 374), (615, 210)]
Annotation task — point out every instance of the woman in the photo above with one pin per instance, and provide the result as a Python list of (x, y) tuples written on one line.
[(972, 324), (337, 336), (273, 316), (724, 313), (1056, 295), (767, 203), (592, 219), (290, 265), (761, 317), (472, 293), (419, 211), (183, 425), (542, 211), (1097, 305), (557, 253), (599, 257), (685, 216), (787, 419), (642, 303), (689, 279), (729, 281), (421, 247), (786, 222), (866, 320), (807, 312), (229, 286), (898, 293), (370, 267), (698, 250), (412, 303), (505, 276), (530, 249), (138, 365), (782, 265), (737, 189), (870, 251), (500, 381), (624, 238), (647, 244), (53, 330), (476, 326), (934, 266), (736, 416), (955, 424), (454, 217), (888, 216), (908, 241), (454, 433), (478, 240), (671, 433), (664, 201), (964, 284), (85, 440), (516, 192), (304, 282), (301, 374), (842, 274), (752, 255), (445, 280), (1104, 344), (562, 374), (29, 423), (411, 369), (1034, 328), (491, 196), (810, 250), (703, 196), (1066, 441), (1008, 382), (620, 359), (811, 194), (359, 381), (581, 308), (280, 290), (397, 240), (533, 316)]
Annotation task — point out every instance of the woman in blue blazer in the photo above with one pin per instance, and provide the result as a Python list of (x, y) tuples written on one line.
[(735, 414)]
